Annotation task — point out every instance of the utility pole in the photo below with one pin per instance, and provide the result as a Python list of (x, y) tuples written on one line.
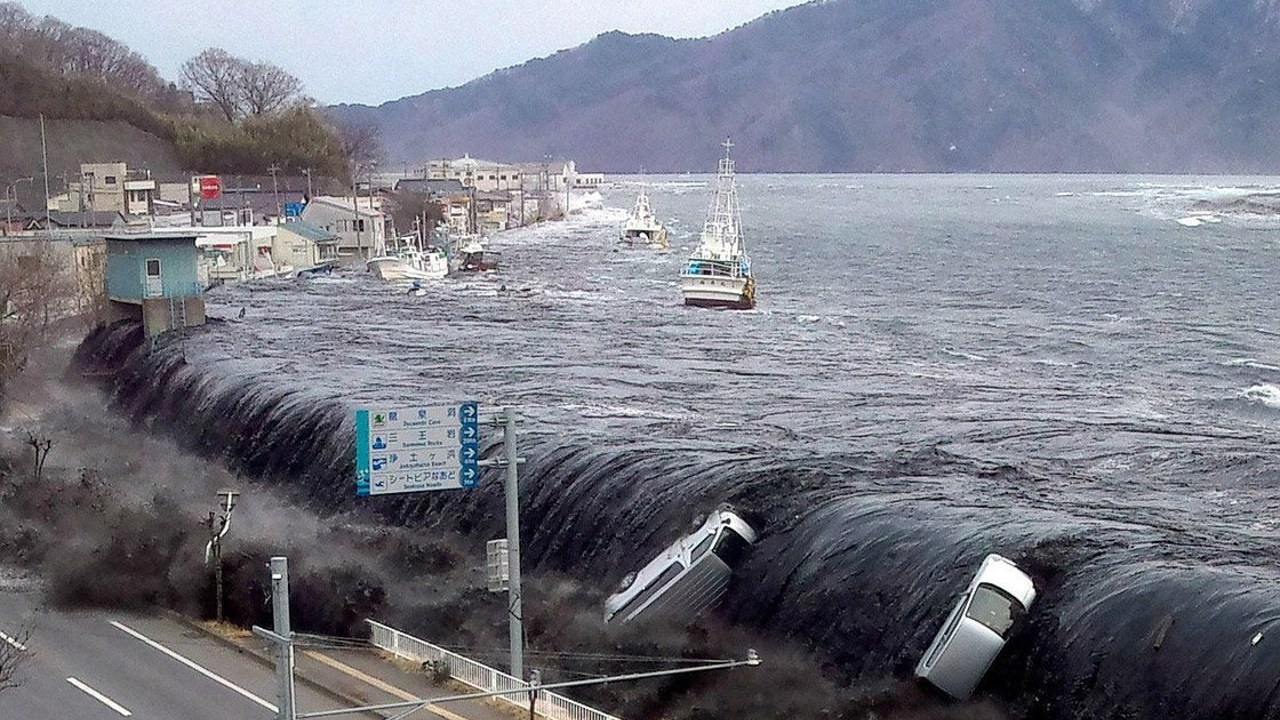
[(355, 209), (510, 460), (307, 172), (275, 189), (373, 231), (44, 154), (512, 489), (213, 550), (281, 637)]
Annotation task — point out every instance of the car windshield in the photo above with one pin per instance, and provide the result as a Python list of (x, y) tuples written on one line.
[(731, 547), (994, 608)]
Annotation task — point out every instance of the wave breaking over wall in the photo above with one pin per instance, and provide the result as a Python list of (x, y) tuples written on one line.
[(860, 559)]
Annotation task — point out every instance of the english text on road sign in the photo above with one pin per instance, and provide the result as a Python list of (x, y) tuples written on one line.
[(417, 448)]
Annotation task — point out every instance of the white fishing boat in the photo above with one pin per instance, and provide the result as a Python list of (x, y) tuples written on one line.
[(643, 227), (410, 261), (718, 273)]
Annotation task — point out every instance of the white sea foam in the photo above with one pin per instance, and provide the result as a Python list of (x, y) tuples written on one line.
[(960, 354), (624, 411), (590, 200), (1253, 363), (1268, 395), (1190, 222)]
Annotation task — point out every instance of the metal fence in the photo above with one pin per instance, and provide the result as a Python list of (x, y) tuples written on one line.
[(482, 677)]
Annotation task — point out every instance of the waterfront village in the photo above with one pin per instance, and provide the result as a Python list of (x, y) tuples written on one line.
[(277, 225)]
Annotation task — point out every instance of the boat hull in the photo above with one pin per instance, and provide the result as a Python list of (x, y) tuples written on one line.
[(395, 268), (652, 237), (731, 293)]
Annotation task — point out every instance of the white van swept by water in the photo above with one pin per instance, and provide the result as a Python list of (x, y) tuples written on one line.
[(975, 632), (688, 577)]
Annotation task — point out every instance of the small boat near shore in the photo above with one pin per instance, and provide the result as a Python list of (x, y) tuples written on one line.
[(643, 228), (471, 256), (410, 261), (718, 272)]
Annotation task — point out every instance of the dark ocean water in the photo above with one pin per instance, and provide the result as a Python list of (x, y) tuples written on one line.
[(1049, 367)]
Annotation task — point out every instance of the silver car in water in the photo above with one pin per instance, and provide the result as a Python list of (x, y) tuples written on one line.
[(975, 632), (688, 577)]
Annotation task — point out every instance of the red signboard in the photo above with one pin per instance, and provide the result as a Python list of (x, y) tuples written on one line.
[(210, 187)]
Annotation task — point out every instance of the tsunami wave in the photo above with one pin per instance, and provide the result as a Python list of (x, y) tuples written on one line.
[(861, 553)]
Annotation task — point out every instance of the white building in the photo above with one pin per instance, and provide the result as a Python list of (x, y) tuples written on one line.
[(236, 254)]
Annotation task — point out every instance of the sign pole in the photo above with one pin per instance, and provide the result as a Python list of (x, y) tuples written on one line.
[(284, 651), (513, 542)]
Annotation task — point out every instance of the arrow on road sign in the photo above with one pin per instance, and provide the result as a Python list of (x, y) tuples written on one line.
[(468, 432)]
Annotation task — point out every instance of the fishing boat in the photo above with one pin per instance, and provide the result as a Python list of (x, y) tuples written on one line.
[(471, 256), (409, 260), (642, 227), (718, 273)]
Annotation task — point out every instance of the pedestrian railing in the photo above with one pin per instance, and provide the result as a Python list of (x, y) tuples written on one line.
[(482, 677)]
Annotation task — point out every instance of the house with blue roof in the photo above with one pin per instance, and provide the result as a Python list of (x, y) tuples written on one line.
[(307, 248)]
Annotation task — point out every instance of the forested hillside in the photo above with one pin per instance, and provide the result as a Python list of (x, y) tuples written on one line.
[(65, 73)]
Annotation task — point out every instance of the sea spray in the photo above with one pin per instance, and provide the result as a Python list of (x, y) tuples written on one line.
[(860, 559)]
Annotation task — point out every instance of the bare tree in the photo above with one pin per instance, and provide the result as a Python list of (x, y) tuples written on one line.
[(35, 290), (361, 146), (267, 89), (216, 76), (15, 25), (13, 652)]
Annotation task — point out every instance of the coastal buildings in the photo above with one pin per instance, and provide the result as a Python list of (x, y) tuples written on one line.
[(359, 224), (108, 187), (305, 247), (153, 277)]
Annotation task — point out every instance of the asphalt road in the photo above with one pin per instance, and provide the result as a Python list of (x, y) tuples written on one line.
[(104, 666)]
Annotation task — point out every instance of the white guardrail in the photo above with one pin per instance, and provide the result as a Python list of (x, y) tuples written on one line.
[(482, 677)]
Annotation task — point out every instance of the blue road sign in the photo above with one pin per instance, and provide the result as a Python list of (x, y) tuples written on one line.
[(417, 449)]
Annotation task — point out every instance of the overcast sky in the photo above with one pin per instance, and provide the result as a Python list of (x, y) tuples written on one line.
[(371, 51)]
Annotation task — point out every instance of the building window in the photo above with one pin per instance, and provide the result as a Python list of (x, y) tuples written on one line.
[(153, 267), (109, 179)]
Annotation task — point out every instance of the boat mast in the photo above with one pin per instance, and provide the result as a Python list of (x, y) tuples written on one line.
[(724, 222)]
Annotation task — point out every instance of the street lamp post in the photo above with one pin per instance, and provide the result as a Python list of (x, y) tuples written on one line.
[(213, 550), (11, 198)]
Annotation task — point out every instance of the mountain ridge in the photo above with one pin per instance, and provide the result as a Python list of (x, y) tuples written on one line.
[(886, 85)]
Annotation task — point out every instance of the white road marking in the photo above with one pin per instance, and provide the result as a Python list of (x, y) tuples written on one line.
[(191, 664), (99, 697), (14, 642)]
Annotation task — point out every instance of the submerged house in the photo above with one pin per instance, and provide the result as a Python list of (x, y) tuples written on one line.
[(359, 225), (305, 247), (153, 277)]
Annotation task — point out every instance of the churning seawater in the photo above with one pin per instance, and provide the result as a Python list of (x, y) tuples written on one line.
[(1049, 367)]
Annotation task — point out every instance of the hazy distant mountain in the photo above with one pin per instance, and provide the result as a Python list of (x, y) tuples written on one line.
[(896, 85)]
